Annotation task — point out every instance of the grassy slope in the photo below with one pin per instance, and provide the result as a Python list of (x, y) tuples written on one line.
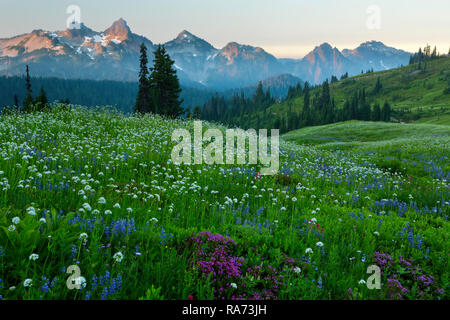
[(404, 88), (359, 132), (390, 146)]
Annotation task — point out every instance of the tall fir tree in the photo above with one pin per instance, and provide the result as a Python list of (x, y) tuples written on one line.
[(378, 86), (386, 112), (376, 112), (306, 113), (164, 85), (41, 100), (143, 96), (197, 112), (28, 102)]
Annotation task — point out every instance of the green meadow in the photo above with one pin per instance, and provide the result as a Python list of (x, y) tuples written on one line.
[(98, 190)]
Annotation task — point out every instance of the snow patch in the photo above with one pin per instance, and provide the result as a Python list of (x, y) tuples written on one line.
[(97, 38)]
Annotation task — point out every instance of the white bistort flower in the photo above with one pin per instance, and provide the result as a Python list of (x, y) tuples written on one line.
[(309, 250), (83, 236), (297, 270), (31, 211), (28, 283), (319, 244), (118, 256), (102, 200), (16, 220), (34, 256)]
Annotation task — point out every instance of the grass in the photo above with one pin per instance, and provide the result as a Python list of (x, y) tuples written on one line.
[(359, 132), (415, 95), (98, 190)]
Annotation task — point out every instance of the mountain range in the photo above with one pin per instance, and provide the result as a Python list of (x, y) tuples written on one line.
[(113, 54)]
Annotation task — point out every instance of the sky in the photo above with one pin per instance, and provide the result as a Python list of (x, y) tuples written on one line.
[(284, 28)]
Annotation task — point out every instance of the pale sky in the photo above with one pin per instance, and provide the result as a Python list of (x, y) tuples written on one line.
[(284, 28)]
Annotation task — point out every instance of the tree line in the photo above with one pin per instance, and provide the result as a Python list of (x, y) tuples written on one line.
[(425, 55), (318, 108), (90, 93)]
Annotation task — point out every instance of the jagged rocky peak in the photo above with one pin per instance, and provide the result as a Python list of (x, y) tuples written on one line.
[(77, 33), (236, 48), (186, 35), (326, 46), (373, 44), (186, 41), (324, 50), (119, 30)]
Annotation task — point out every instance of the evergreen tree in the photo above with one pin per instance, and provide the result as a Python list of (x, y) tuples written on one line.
[(306, 103), (164, 85), (16, 100), (28, 102), (346, 112), (354, 108), (434, 54), (41, 100), (386, 112), (365, 112), (291, 93), (143, 100), (344, 76), (259, 96), (376, 112), (299, 89), (378, 86), (197, 112)]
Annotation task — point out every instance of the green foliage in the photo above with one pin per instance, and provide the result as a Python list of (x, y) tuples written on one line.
[(160, 91), (153, 294), (90, 93), (87, 185), (413, 95)]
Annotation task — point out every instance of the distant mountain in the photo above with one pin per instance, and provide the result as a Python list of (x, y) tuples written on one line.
[(113, 54), (322, 63), (376, 55), (75, 53), (239, 65), (191, 55)]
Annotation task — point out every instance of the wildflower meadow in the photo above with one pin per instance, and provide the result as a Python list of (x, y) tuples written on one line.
[(93, 208)]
